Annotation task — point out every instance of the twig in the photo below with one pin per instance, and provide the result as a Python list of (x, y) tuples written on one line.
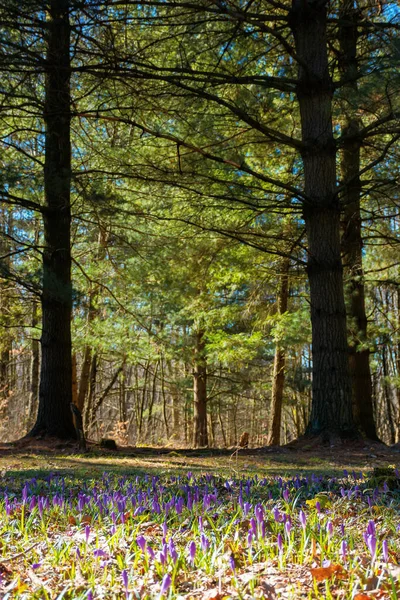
[(19, 555)]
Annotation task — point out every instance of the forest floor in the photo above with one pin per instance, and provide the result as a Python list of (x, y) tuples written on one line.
[(300, 521)]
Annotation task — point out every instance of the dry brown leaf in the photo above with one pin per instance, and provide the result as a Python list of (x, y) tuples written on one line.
[(362, 597), (71, 520), (323, 573), (86, 520)]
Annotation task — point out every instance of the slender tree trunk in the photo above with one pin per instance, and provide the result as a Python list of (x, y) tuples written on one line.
[(91, 315), (397, 355), (387, 392), (88, 407), (5, 309), (221, 423), (34, 370), (200, 435), (55, 391), (164, 399), (352, 243), (278, 377), (176, 401), (331, 413), (74, 380), (152, 399), (143, 399)]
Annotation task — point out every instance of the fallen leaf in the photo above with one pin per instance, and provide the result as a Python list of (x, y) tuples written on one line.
[(362, 597), (322, 573), (86, 520)]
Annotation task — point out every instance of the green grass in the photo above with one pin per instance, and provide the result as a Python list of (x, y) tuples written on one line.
[(211, 527)]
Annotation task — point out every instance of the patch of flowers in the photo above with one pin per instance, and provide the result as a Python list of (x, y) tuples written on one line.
[(200, 536)]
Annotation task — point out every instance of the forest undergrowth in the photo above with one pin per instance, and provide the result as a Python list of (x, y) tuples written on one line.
[(283, 525)]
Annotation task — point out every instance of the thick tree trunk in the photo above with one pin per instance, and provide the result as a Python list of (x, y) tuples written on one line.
[(352, 242), (331, 413), (55, 391), (200, 435), (278, 377)]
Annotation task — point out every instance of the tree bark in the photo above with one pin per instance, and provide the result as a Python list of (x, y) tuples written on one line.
[(5, 308), (331, 413), (278, 377), (34, 370), (84, 379), (88, 406), (200, 435), (55, 391), (352, 243)]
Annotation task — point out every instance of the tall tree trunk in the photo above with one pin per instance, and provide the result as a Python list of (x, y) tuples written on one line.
[(331, 413), (387, 392), (278, 377), (88, 406), (5, 307), (352, 242), (200, 435), (55, 391), (176, 401), (91, 315), (34, 369)]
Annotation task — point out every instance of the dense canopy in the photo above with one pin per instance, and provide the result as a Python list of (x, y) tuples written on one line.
[(199, 220)]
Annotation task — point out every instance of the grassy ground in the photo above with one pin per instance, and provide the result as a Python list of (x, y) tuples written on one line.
[(297, 523)]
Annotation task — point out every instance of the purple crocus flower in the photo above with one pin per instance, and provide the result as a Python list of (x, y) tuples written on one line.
[(250, 538), (232, 563), (280, 542), (259, 512), (141, 542), (87, 533), (253, 526), (286, 495), (263, 530), (164, 529), (246, 508), (302, 519), (288, 527), (172, 551), (205, 544), (385, 550), (89, 595), (343, 549), (277, 515), (329, 529), (124, 575), (371, 543), (165, 584), (371, 529), (192, 551)]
